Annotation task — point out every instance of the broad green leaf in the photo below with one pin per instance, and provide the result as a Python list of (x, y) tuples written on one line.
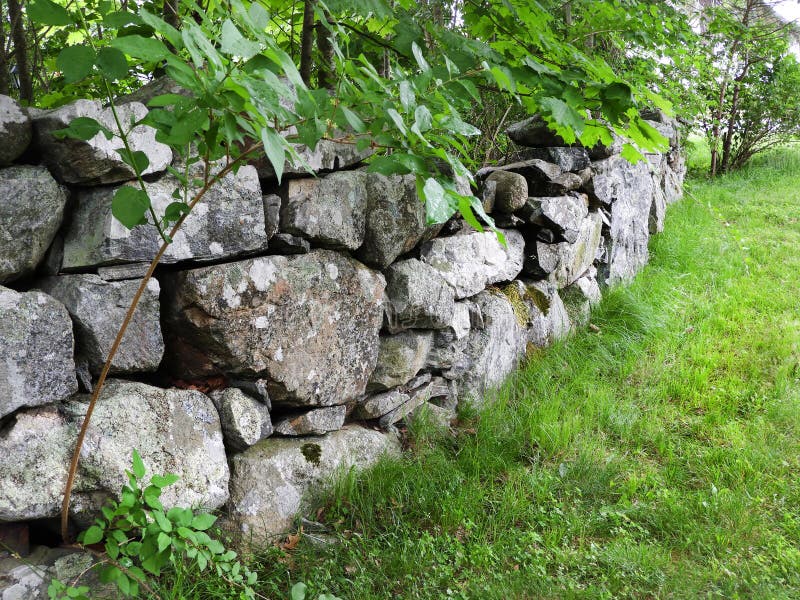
[(353, 120), (146, 49), (163, 522), (234, 43), (406, 95), (273, 147), (138, 161), (92, 535), (112, 63), (420, 58), (631, 154), (298, 591), (203, 521), (83, 128), (164, 541), (570, 121), (456, 125), (47, 12), (159, 25), (163, 481), (120, 19), (423, 118), (129, 207), (436, 201), (138, 465), (76, 62), (398, 120)]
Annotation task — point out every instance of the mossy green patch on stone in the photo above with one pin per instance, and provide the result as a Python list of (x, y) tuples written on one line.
[(311, 452)]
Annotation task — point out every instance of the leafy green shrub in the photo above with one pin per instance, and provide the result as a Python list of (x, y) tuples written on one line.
[(141, 540)]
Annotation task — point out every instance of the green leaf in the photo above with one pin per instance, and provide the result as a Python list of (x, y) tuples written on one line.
[(92, 535), (298, 591), (438, 208), (456, 125), (138, 463), (203, 521), (407, 96), (83, 128), (164, 541), (129, 206), (353, 120), (273, 147), (120, 19), (423, 118), (159, 25), (180, 516), (112, 63), (75, 62), (631, 154), (234, 43), (162, 521), (398, 120), (139, 162), (146, 49), (163, 481), (47, 12), (569, 120), (419, 57)]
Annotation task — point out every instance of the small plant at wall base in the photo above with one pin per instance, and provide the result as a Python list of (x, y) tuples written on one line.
[(141, 539)]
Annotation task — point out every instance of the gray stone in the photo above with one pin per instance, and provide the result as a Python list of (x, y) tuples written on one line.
[(395, 220), (562, 184), (437, 415), (388, 420), (628, 189), (227, 222), (15, 130), (272, 214), (563, 263), (308, 323), (30, 214), (417, 297), (123, 272), (658, 207), (493, 351), (286, 243), (329, 211), (271, 480), (244, 420), (511, 191), (96, 161), (570, 158), (380, 404), (36, 354), (534, 132), (400, 358), (175, 431), (580, 297), (98, 309), (468, 263), (548, 320), (329, 155), (561, 214), (313, 422)]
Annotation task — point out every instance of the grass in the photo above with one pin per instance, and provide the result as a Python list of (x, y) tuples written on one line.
[(658, 458)]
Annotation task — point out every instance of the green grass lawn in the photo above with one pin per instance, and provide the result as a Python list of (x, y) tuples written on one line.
[(658, 458)]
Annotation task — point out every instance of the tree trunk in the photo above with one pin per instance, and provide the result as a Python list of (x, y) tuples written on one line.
[(20, 40), (170, 13), (307, 41), (5, 84), (326, 74)]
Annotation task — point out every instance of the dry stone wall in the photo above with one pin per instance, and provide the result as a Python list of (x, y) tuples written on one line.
[(292, 327)]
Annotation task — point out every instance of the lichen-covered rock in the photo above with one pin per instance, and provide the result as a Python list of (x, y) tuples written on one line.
[(628, 189), (96, 161), (35, 450), (547, 317), (511, 191), (400, 358), (270, 481), (307, 323), (561, 214), (658, 207), (98, 309), (580, 297), (227, 222), (468, 263), (36, 351), (329, 211), (15, 130), (417, 297), (313, 422), (567, 158), (395, 219), (175, 431), (31, 212), (493, 351), (378, 405), (244, 419), (563, 263)]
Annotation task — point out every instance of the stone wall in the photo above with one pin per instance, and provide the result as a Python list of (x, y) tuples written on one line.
[(290, 329)]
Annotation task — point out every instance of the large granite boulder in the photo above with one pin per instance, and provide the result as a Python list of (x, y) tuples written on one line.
[(395, 220), (96, 161), (175, 431), (227, 222), (468, 263), (271, 480), (329, 211), (493, 351), (400, 358), (15, 130), (564, 262), (36, 351), (98, 308), (308, 323), (628, 191), (417, 297), (30, 214)]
